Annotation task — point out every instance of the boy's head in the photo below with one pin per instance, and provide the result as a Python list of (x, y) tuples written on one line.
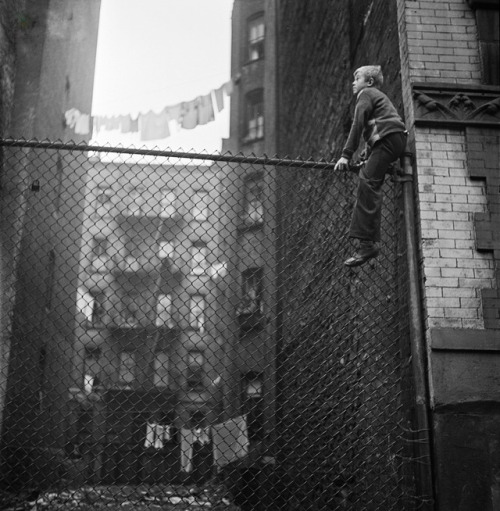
[(372, 75)]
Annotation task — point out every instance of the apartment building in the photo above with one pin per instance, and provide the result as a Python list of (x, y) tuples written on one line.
[(148, 335)]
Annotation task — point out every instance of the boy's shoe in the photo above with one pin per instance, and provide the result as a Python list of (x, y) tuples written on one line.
[(366, 252)]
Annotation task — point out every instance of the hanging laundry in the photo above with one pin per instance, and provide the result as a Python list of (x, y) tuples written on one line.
[(230, 441), (187, 441), (201, 436), (82, 126), (154, 126), (156, 435), (228, 87), (219, 98), (71, 116), (134, 125), (77, 121), (174, 113), (205, 109), (189, 115)]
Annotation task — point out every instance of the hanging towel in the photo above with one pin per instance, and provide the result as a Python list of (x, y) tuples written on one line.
[(189, 114), (82, 125), (71, 117), (205, 109), (230, 441), (175, 112), (154, 126), (201, 436), (156, 434), (187, 441), (228, 87), (150, 435), (219, 98)]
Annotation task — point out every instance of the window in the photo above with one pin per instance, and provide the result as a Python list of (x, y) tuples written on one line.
[(198, 253), (128, 316), (91, 306), (253, 404), (134, 254), (127, 367), (251, 299), (168, 203), (91, 368), (197, 312), (161, 365), (254, 209), (194, 376), (256, 38), (201, 205), (488, 29), (103, 201), (164, 311), (99, 255), (254, 115)]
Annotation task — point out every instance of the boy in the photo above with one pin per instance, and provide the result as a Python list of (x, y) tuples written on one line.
[(376, 118)]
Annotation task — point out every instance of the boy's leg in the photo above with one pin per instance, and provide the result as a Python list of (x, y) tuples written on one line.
[(366, 218)]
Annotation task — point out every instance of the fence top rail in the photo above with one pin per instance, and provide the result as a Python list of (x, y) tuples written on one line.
[(227, 157)]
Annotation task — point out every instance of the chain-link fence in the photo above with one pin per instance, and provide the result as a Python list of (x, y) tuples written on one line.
[(179, 331)]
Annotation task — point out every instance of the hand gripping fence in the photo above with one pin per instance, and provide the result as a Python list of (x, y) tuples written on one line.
[(179, 332)]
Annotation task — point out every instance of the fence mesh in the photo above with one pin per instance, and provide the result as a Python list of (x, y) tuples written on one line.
[(179, 331)]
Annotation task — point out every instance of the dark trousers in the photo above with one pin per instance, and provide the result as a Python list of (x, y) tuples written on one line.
[(366, 217)]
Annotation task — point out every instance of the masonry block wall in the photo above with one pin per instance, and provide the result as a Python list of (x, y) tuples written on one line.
[(41, 204), (450, 97), (333, 317)]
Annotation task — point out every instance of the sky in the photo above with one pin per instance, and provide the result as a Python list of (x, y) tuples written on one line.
[(157, 53)]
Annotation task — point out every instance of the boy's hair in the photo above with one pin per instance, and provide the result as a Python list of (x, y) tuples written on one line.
[(371, 72)]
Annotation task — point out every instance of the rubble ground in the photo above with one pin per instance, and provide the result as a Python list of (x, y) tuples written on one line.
[(124, 498)]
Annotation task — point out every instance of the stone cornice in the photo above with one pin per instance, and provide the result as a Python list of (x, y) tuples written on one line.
[(456, 105)]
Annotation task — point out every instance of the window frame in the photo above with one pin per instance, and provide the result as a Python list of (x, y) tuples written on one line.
[(200, 214), (168, 323), (166, 204), (250, 184), (254, 115), (198, 266), (161, 380), (255, 45), (194, 323), (250, 305), (131, 370), (195, 372)]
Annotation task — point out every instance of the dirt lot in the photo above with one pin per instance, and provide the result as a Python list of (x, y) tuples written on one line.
[(124, 498)]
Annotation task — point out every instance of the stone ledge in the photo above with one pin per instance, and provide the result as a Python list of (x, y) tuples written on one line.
[(459, 339)]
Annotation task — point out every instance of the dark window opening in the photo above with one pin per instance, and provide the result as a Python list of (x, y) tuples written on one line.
[(256, 31), (254, 116), (195, 371), (253, 404)]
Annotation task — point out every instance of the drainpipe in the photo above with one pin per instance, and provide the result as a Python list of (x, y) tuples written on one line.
[(422, 438)]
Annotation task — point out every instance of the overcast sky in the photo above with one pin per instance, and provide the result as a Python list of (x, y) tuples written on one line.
[(156, 53)]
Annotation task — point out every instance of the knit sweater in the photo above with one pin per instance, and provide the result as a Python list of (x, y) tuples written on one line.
[(374, 117)]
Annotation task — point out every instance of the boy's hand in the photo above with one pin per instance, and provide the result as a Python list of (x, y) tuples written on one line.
[(342, 164)]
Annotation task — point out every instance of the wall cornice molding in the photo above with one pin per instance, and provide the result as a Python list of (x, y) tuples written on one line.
[(456, 105)]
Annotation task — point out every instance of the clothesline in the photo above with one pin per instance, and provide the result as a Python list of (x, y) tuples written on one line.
[(154, 125), (230, 440)]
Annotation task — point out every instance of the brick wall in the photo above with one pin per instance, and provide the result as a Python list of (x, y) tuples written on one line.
[(454, 271), (442, 41), (339, 326), (439, 43)]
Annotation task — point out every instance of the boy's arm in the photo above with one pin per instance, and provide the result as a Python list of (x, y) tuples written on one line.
[(361, 116)]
